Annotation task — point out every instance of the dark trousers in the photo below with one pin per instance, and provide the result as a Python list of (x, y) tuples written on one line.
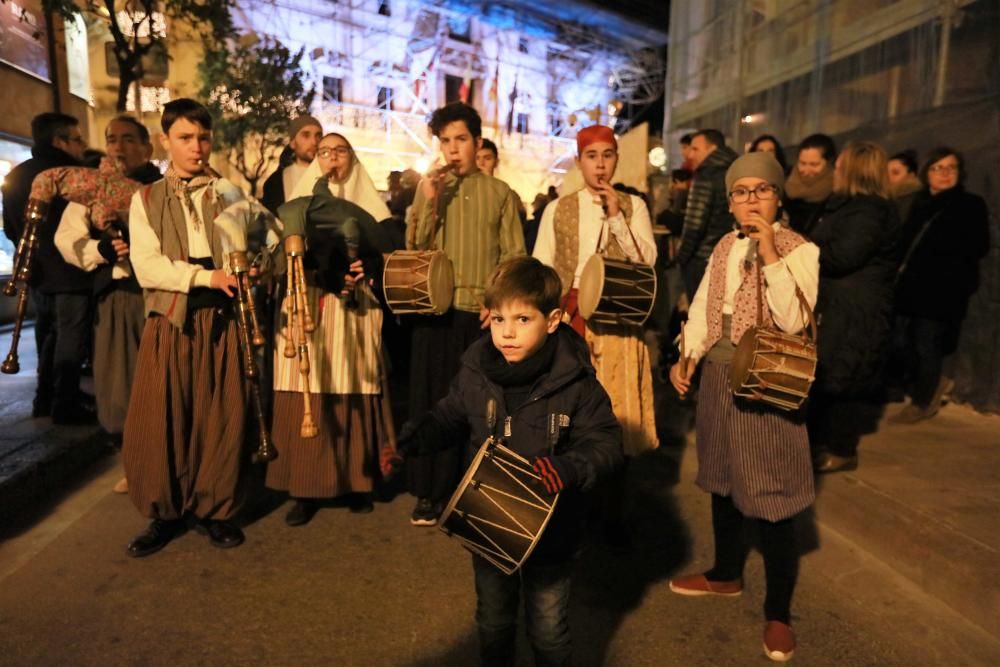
[(777, 545), (438, 344), (837, 423), (926, 343), (693, 272), (546, 591), (74, 319), (45, 345)]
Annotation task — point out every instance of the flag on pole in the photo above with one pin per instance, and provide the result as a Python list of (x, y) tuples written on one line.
[(510, 114), (494, 97)]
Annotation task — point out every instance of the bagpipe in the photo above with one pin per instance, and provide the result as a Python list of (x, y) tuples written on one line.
[(105, 191), (322, 237), (243, 221)]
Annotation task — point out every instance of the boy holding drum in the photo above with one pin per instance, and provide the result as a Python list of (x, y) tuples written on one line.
[(532, 388)]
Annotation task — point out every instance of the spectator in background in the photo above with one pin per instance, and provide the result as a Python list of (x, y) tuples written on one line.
[(686, 161), (945, 236), (707, 218), (857, 232), (60, 293), (904, 184), (811, 181), (767, 143), (488, 159), (304, 133)]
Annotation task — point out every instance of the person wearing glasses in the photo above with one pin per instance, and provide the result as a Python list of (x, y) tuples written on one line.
[(857, 232), (60, 292), (752, 459), (944, 238), (347, 392)]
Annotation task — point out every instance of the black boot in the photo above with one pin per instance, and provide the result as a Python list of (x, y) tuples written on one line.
[(302, 512)]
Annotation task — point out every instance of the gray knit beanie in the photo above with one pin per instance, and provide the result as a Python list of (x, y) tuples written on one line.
[(756, 165)]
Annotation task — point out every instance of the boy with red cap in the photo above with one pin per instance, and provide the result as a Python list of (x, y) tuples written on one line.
[(601, 220)]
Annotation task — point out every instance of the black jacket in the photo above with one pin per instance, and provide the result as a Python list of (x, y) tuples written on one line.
[(274, 190), (591, 444), (49, 273), (941, 271), (858, 239), (707, 218)]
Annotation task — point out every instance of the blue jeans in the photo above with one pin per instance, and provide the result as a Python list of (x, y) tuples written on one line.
[(546, 605)]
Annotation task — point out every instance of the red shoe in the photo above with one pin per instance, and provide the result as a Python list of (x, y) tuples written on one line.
[(696, 585), (779, 641)]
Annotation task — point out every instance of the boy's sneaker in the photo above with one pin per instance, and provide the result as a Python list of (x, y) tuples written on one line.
[(423, 513)]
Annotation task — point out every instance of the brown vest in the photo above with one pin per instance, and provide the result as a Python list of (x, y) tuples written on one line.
[(566, 223), (165, 214)]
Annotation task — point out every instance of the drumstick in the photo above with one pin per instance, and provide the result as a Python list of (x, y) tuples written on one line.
[(684, 359)]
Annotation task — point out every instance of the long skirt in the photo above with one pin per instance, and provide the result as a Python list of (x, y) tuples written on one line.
[(621, 359), (183, 447), (757, 454), (117, 332), (342, 458)]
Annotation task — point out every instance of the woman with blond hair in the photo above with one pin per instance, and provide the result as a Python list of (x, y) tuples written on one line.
[(858, 237)]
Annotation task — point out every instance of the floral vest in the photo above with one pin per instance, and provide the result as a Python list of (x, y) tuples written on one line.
[(745, 300)]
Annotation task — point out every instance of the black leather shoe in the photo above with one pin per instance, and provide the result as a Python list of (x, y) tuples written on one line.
[(826, 462), (222, 534), (76, 415), (156, 536), (301, 513), (361, 503)]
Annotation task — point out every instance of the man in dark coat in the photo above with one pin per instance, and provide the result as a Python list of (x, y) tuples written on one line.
[(707, 218), (60, 293)]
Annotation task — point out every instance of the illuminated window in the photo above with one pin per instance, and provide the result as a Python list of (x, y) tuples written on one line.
[(384, 9)]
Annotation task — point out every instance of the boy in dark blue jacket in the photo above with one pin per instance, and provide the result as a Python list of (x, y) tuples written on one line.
[(531, 387)]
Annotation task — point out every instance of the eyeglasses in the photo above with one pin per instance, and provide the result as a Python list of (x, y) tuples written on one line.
[(763, 192), (339, 151), (944, 168)]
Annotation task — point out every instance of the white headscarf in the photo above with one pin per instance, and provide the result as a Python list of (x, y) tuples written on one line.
[(358, 188)]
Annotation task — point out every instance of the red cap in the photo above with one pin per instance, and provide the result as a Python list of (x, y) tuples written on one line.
[(594, 134)]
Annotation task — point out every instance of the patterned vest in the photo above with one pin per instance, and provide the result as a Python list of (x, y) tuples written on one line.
[(566, 223), (166, 217), (745, 300)]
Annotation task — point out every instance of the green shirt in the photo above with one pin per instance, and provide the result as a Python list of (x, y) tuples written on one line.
[(479, 229)]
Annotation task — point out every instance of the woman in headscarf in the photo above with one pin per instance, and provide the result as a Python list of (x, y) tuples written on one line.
[(752, 458), (336, 207)]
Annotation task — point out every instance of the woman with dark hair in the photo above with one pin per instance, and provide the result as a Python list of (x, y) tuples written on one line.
[(857, 233), (768, 143), (904, 184), (944, 237), (811, 181)]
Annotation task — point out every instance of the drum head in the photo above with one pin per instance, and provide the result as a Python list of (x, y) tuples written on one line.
[(441, 282), (742, 362), (591, 286)]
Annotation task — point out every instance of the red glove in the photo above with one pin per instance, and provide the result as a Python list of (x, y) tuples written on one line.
[(555, 472), (389, 462)]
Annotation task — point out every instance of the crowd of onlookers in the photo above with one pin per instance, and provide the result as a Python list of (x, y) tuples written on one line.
[(900, 242)]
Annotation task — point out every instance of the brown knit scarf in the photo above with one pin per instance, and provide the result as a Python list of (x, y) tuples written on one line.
[(815, 191), (183, 189)]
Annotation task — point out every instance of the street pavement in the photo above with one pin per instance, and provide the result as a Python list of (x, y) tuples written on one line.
[(371, 590)]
